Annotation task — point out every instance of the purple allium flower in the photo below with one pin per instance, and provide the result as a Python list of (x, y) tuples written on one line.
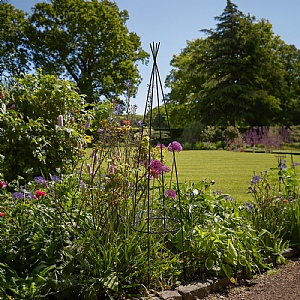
[(60, 120), (166, 169), (162, 146), (17, 195), (2, 184), (248, 206), (255, 179), (175, 147), (156, 165), (55, 178), (170, 193), (295, 164), (101, 130)]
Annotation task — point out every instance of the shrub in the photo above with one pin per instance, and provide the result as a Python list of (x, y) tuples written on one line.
[(31, 141), (192, 132), (275, 210)]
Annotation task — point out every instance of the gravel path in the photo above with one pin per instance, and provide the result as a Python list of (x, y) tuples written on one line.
[(283, 284)]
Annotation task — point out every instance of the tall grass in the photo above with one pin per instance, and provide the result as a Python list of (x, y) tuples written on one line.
[(231, 171)]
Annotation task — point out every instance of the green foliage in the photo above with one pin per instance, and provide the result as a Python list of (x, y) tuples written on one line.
[(192, 132), (114, 226), (81, 235), (275, 205), (218, 239), (239, 67), (87, 41), (14, 57), (31, 141)]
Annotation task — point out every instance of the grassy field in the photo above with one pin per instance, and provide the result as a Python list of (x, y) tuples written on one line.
[(232, 171)]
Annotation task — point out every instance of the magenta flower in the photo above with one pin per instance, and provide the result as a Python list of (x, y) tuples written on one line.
[(174, 147), (156, 165), (2, 184), (2, 214), (170, 193), (157, 168)]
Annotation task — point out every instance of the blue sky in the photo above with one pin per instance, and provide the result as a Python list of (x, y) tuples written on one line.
[(173, 22)]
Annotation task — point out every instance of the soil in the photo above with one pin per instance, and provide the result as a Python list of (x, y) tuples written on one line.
[(282, 283)]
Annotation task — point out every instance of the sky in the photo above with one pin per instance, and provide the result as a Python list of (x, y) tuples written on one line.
[(174, 22)]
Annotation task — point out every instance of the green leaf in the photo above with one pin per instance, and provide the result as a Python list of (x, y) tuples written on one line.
[(232, 250), (227, 270), (111, 282), (209, 263)]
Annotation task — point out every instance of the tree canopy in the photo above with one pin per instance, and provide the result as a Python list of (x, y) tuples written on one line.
[(14, 58), (85, 41), (240, 74)]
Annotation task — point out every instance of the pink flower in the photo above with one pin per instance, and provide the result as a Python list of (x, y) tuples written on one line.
[(39, 194), (175, 147), (170, 194), (2, 214), (156, 165), (60, 120), (157, 168), (2, 184), (112, 169)]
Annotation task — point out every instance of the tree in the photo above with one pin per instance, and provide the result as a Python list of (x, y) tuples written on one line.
[(186, 79), (233, 77), (88, 42), (289, 55), (14, 57)]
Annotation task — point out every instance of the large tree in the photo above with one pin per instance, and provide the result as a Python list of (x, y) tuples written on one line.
[(85, 41), (235, 76), (14, 56)]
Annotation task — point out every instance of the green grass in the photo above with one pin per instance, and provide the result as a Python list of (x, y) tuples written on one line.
[(232, 171)]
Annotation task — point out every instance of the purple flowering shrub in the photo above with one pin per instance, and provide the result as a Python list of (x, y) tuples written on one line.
[(269, 137)]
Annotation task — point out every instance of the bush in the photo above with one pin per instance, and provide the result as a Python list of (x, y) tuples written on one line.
[(31, 141), (191, 133)]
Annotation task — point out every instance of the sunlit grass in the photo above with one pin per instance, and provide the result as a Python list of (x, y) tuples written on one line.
[(231, 171)]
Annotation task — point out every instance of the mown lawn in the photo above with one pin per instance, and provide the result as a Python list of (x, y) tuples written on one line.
[(232, 171)]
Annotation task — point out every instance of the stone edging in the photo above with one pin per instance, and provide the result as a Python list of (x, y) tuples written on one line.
[(199, 290)]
